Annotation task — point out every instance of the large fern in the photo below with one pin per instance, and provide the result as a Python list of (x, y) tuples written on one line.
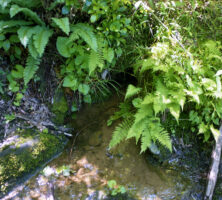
[(31, 67)]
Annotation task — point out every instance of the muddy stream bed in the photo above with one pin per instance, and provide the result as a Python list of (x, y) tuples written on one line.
[(83, 172)]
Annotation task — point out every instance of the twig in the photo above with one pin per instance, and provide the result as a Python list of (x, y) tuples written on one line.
[(77, 134)]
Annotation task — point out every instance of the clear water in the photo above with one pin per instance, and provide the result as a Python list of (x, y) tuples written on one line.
[(85, 170)]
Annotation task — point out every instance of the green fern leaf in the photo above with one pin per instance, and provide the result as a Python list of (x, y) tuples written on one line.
[(137, 129), (160, 135), (174, 110), (32, 49), (145, 110), (86, 33), (63, 46), (15, 9), (94, 60), (24, 34), (27, 3), (62, 23), (131, 91), (146, 141), (41, 39), (12, 23), (108, 54), (31, 67), (120, 133)]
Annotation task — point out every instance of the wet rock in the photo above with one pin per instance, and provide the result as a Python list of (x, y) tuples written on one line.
[(35, 193), (22, 154), (96, 138)]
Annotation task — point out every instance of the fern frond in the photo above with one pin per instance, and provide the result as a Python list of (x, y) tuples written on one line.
[(15, 9), (120, 132), (131, 91), (28, 3), (95, 59), (63, 24), (108, 54), (137, 129), (24, 34), (159, 134), (41, 38), (149, 130), (13, 23), (146, 141), (31, 67), (86, 33), (124, 112), (32, 49), (145, 110)]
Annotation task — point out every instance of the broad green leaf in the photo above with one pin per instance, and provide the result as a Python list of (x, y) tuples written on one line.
[(6, 45), (93, 18), (69, 81), (2, 37), (62, 46), (18, 73), (137, 102), (84, 89)]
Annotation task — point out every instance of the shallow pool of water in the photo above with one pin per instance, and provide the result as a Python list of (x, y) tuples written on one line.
[(87, 165)]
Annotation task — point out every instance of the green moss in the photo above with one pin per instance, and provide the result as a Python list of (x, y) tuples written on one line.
[(14, 166), (60, 106)]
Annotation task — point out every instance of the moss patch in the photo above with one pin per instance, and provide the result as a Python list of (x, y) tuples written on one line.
[(23, 161), (60, 106)]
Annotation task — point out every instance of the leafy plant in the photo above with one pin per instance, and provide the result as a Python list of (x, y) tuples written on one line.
[(35, 37), (115, 189), (87, 55), (174, 78)]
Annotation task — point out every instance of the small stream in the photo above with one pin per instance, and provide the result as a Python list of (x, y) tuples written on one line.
[(83, 172)]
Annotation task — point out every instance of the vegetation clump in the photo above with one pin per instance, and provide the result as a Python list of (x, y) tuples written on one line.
[(171, 48)]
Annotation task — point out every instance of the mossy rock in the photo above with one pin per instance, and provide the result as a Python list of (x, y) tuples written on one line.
[(27, 151), (60, 106)]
